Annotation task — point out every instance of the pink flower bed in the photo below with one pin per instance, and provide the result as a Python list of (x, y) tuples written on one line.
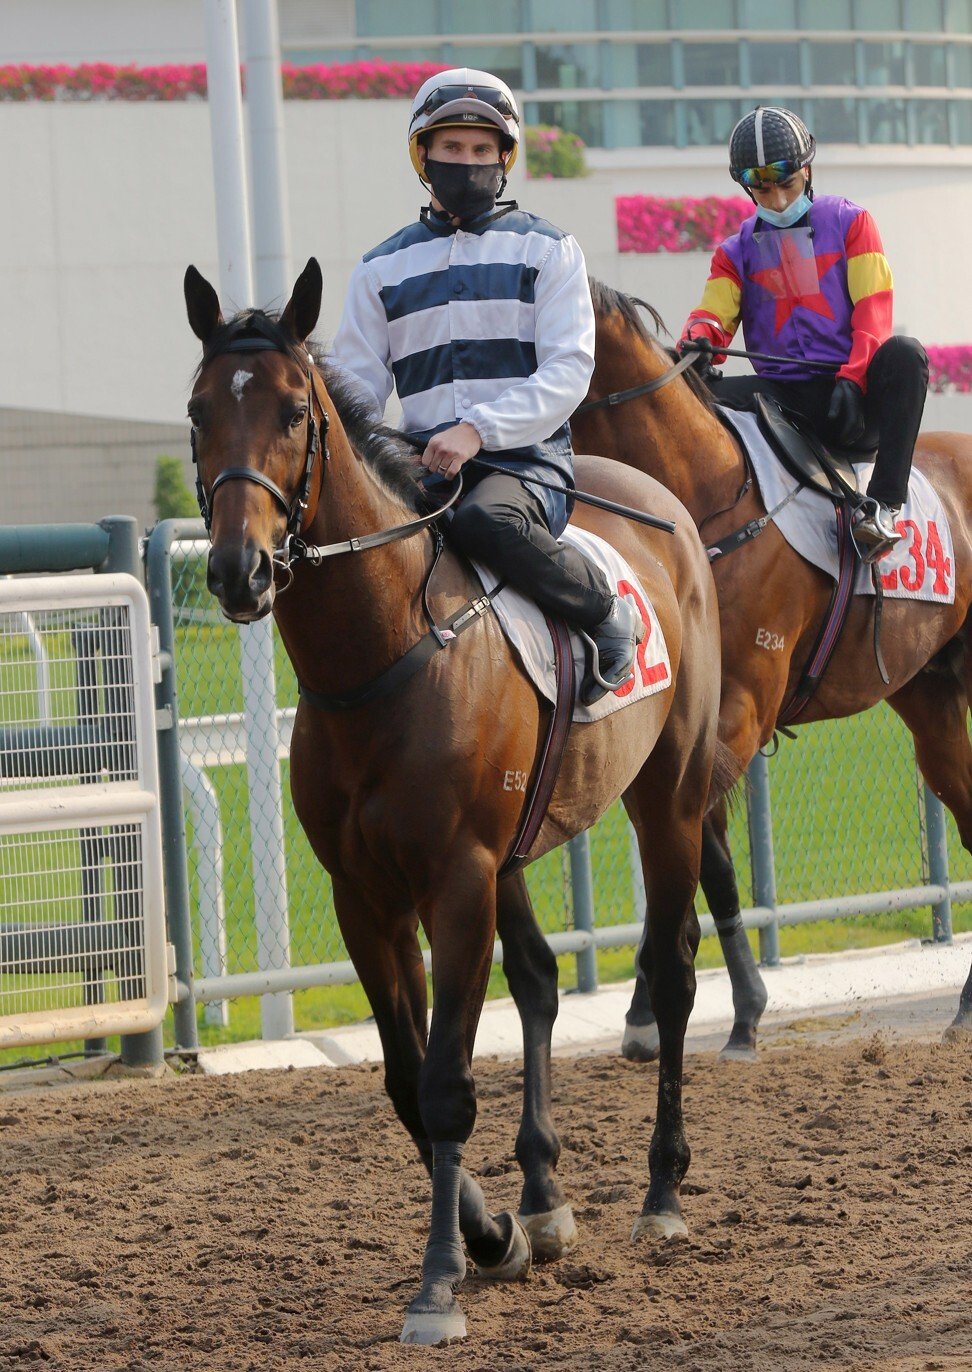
[(103, 81), (654, 223), (950, 367)]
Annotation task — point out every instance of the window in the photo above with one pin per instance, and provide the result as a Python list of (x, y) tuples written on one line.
[(884, 64), (928, 64), (709, 122), (711, 64), (568, 64), (832, 64), (555, 16), (654, 64), (962, 64), (770, 14), (710, 14), (503, 60), (657, 123), (877, 14), (583, 117), (825, 14), (466, 16), (835, 121), (775, 63), (648, 16), (958, 16), (378, 19), (962, 114), (886, 121), (923, 16), (622, 124), (930, 120)]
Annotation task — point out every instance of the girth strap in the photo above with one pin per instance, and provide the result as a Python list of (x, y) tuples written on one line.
[(552, 754)]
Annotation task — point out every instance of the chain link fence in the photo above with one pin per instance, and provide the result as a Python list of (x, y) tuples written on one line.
[(848, 816)]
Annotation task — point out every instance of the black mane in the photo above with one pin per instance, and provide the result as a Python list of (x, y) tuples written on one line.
[(607, 300), (390, 454)]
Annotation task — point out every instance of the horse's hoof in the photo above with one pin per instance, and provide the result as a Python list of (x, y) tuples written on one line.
[(516, 1262), (665, 1225), (960, 1029), (741, 1044), (640, 1042), (432, 1327), (551, 1234)]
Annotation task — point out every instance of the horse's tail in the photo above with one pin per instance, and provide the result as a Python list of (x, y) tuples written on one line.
[(725, 774)]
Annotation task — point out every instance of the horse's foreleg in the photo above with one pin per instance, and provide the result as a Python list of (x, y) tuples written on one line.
[(935, 707), (531, 970), (460, 921)]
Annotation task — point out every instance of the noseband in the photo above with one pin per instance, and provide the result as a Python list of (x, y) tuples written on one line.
[(294, 509)]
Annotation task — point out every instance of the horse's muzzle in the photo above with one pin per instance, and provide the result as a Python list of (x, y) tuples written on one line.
[(240, 576)]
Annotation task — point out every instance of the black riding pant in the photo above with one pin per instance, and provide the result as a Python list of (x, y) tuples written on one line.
[(897, 380), (501, 524)]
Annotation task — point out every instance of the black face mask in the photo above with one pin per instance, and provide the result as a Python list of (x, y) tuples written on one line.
[(465, 190)]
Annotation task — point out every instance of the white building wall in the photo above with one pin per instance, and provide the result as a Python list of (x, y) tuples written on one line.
[(108, 203)]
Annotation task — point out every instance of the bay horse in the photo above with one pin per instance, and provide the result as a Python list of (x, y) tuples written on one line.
[(771, 604), (406, 800)]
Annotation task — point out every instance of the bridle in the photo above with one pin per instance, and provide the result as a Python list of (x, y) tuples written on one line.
[(646, 387)]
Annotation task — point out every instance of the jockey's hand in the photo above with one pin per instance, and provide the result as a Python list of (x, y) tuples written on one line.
[(845, 414), (447, 451), (701, 351)]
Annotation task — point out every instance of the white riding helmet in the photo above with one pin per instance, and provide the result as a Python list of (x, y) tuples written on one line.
[(458, 98)]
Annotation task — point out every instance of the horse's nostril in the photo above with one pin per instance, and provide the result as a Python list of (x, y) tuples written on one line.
[(261, 575)]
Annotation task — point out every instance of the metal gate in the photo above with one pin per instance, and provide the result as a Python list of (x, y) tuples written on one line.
[(82, 918)]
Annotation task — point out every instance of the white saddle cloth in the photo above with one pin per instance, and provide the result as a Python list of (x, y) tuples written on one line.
[(921, 566), (524, 625)]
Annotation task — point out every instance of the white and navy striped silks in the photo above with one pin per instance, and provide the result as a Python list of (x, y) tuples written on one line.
[(491, 325)]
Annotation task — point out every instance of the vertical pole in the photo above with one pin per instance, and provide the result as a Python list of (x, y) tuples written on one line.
[(137, 1050), (937, 856), (582, 895), (268, 165), (256, 641), (761, 848)]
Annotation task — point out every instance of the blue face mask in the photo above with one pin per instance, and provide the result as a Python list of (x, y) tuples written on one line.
[(785, 219)]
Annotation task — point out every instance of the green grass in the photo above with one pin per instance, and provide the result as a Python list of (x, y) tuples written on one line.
[(846, 820)]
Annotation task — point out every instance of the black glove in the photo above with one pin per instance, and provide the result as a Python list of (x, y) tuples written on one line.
[(845, 413), (701, 352)]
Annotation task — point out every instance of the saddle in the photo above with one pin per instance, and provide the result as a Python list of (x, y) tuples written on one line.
[(829, 471)]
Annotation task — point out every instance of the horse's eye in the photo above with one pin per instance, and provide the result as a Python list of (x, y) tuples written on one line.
[(299, 417), (194, 419)]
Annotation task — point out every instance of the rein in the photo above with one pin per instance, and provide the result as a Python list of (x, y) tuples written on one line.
[(646, 388)]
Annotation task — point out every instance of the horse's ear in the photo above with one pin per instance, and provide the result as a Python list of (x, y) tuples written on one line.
[(304, 306), (202, 305)]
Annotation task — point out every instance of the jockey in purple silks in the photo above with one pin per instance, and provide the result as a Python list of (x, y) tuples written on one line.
[(808, 280)]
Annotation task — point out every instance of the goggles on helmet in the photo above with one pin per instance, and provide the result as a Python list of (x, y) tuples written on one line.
[(444, 95), (754, 178)]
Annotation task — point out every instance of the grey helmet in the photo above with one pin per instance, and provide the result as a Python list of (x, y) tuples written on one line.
[(769, 136)]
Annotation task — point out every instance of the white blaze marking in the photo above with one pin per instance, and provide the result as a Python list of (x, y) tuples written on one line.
[(240, 379)]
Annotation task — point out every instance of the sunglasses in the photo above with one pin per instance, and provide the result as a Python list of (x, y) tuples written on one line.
[(754, 178), (446, 94)]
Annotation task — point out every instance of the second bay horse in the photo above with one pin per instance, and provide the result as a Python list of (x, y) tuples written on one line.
[(406, 799), (772, 603)]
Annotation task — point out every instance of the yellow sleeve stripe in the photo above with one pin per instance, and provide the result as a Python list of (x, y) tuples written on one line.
[(722, 298), (867, 274)]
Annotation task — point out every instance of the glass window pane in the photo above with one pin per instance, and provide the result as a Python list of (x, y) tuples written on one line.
[(583, 117), (923, 16), (928, 60), (503, 59), (835, 121), (958, 16), (657, 123), (962, 112), (712, 14), (568, 64), (930, 120), (654, 64), (649, 16), (553, 16), (376, 18), (775, 63), (877, 14), (466, 16), (622, 123), (832, 64), (770, 14), (962, 64), (886, 121), (825, 14), (884, 64), (711, 64), (709, 122)]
